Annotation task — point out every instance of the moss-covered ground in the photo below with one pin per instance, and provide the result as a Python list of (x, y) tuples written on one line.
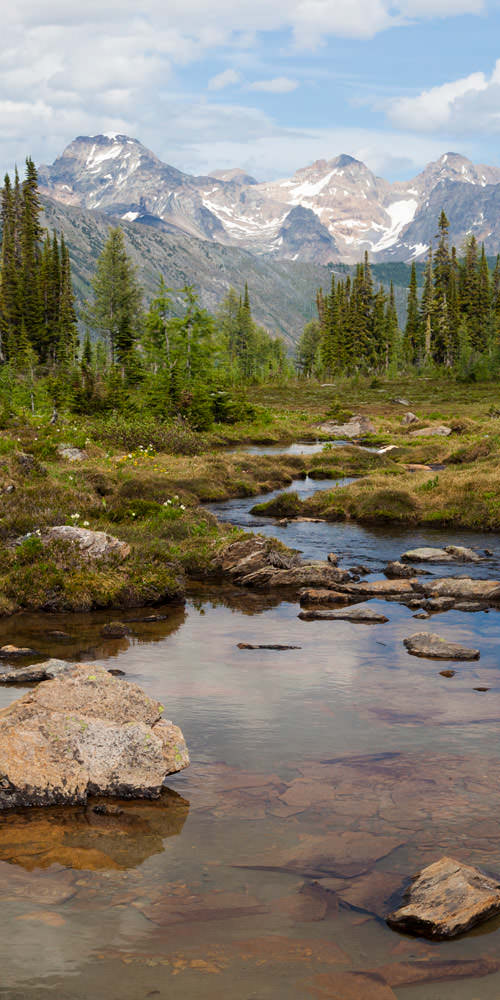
[(145, 483)]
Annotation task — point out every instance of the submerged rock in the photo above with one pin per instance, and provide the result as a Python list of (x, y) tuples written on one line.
[(358, 613), (431, 646), (277, 647), (357, 427), (85, 733), (115, 630), (446, 899), (92, 544)]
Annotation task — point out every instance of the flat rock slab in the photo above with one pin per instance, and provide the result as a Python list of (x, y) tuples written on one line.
[(432, 647), (70, 453), (462, 588), (312, 595), (85, 733), (451, 553), (446, 899), (381, 588), (360, 614)]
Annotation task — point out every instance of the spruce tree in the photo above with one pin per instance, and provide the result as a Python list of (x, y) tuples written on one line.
[(413, 340), (115, 311)]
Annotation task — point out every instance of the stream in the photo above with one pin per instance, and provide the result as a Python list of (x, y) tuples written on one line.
[(346, 748)]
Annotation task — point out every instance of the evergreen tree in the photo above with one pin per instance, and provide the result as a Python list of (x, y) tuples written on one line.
[(413, 339), (115, 312)]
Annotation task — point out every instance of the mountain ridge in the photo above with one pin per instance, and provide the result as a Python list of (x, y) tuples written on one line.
[(347, 209)]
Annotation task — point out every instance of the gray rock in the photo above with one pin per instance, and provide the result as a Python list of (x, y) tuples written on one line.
[(85, 733), (462, 554), (432, 647), (398, 571), (435, 604), (462, 588), (358, 613), (470, 606), (92, 544), (33, 675), (400, 401), (409, 418), (441, 431), (357, 427), (427, 554), (71, 454), (446, 899)]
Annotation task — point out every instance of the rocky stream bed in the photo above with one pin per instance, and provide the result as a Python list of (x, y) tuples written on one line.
[(329, 765)]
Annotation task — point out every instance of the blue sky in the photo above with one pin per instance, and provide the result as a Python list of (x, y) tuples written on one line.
[(268, 87)]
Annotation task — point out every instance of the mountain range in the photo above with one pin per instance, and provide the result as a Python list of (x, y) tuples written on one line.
[(330, 211)]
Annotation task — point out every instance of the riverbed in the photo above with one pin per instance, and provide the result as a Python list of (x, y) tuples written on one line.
[(344, 760)]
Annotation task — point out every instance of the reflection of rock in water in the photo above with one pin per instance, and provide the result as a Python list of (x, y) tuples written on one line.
[(80, 838)]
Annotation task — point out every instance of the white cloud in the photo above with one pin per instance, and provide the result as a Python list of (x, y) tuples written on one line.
[(469, 105), (224, 79), (69, 69), (278, 85)]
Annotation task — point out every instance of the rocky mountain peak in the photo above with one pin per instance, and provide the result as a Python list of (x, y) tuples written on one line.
[(343, 208)]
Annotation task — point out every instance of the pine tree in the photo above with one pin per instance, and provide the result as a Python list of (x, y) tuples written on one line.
[(30, 240)]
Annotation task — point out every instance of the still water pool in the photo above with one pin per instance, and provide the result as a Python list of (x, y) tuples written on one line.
[(321, 779)]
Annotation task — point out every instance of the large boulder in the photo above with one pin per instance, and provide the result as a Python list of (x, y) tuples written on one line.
[(92, 544), (255, 562), (357, 427), (432, 647), (445, 899), (85, 733)]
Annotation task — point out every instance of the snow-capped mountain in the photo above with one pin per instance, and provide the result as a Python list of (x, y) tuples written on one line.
[(330, 211)]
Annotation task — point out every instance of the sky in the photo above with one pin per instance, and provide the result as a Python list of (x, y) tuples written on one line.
[(266, 85)]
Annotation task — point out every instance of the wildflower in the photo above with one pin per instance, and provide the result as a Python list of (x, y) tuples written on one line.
[(86, 524), (167, 503), (134, 514), (182, 507), (74, 517)]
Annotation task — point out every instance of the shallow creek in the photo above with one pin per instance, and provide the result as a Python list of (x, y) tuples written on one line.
[(346, 759)]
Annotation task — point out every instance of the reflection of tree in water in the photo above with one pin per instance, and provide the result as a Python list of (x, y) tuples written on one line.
[(83, 638), (121, 836), (235, 598)]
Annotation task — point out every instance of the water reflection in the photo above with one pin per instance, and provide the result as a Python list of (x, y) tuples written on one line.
[(96, 837)]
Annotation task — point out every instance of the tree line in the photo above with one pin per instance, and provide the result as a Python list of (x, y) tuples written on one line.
[(453, 321), (174, 354)]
